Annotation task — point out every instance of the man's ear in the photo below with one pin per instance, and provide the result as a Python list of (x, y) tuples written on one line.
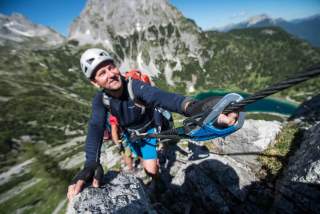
[(95, 84)]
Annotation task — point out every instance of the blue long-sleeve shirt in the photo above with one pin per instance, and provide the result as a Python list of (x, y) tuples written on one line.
[(127, 113)]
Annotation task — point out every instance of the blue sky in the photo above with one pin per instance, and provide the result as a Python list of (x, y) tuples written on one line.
[(214, 13), (59, 14)]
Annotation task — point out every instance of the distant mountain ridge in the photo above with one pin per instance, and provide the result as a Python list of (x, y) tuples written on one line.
[(304, 28), (18, 29)]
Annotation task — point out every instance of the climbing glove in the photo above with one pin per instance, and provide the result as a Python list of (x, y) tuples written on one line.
[(199, 106), (90, 171)]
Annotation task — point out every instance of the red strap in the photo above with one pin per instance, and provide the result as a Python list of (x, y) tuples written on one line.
[(113, 120)]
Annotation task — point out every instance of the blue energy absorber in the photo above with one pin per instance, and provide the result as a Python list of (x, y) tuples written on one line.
[(207, 130)]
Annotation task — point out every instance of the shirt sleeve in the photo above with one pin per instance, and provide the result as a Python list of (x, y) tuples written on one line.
[(96, 127), (156, 97)]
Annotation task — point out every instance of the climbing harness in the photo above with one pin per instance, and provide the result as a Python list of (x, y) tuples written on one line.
[(203, 126)]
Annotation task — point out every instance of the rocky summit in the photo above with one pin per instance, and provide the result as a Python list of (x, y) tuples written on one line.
[(152, 36)]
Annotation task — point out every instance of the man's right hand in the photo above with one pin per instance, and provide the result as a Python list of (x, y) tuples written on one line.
[(195, 107), (91, 172)]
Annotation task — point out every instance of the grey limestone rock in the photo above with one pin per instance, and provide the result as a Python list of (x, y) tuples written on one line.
[(121, 193), (221, 181), (308, 111), (298, 191)]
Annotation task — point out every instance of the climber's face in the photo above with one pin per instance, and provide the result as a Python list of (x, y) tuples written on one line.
[(107, 76)]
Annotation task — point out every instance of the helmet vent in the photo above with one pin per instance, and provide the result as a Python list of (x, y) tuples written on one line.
[(89, 61)]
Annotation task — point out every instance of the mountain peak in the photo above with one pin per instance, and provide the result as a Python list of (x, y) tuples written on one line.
[(150, 35), (17, 28), (259, 18), (121, 16), (19, 16)]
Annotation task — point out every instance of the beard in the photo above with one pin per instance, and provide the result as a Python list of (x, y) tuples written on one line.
[(116, 92)]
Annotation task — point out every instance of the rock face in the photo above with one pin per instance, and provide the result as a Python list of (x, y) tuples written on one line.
[(122, 193), (217, 178), (298, 190), (226, 181), (309, 111), (17, 28)]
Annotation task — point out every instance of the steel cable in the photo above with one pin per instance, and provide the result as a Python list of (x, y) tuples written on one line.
[(294, 80), (302, 76)]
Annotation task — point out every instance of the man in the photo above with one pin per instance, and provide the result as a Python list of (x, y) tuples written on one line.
[(133, 116)]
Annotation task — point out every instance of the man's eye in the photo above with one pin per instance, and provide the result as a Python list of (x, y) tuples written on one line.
[(101, 73)]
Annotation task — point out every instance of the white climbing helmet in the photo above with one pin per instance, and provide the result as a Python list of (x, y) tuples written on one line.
[(91, 58)]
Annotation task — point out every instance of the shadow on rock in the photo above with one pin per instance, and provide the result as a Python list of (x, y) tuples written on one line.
[(208, 187), (198, 151), (167, 158)]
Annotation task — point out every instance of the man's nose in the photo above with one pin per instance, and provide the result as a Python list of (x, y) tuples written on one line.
[(115, 71), (110, 73)]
